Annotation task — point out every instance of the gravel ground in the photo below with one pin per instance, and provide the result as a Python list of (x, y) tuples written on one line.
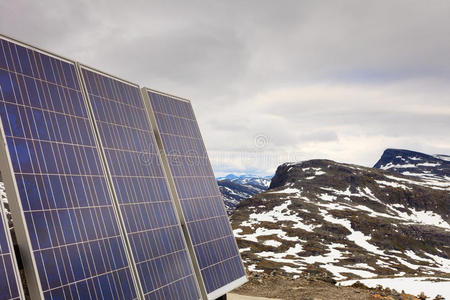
[(280, 287), (242, 297)]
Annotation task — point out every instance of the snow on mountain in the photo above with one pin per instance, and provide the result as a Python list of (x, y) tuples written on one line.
[(442, 156), (431, 170), (261, 182), (347, 221), (3, 193), (412, 285), (234, 188), (4, 200)]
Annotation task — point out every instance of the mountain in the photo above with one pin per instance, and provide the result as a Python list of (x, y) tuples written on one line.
[(229, 177), (234, 188), (259, 182), (233, 193), (343, 221), (443, 157), (432, 170)]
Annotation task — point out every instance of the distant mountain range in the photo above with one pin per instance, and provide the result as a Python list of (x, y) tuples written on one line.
[(261, 182), (348, 221), (235, 188)]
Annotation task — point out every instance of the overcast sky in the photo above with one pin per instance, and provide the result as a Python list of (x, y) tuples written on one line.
[(270, 81)]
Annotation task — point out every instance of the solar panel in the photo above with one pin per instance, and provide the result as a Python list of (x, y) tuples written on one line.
[(64, 216), (203, 211), (10, 286), (147, 208)]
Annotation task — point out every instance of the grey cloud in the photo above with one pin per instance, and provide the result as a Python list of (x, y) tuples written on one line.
[(318, 78), (320, 136)]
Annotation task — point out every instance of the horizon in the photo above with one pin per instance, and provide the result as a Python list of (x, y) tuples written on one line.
[(221, 174), (270, 83)]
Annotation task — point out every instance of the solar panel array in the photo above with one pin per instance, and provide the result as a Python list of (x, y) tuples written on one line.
[(68, 212), (201, 202), (96, 211), (148, 210), (10, 286)]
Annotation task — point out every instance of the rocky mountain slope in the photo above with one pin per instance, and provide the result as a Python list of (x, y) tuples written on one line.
[(234, 188), (346, 222), (433, 170)]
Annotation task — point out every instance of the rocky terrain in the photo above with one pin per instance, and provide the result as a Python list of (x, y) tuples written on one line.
[(308, 287), (234, 188), (433, 170), (349, 222)]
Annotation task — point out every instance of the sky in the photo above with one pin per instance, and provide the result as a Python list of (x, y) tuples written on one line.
[(270, 81)]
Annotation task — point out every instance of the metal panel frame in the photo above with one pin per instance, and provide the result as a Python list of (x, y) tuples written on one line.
[(230, 286), (110, 182)]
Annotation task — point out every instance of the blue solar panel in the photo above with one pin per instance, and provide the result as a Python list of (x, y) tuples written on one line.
[(147, 209), (69, 216), (207, 222)]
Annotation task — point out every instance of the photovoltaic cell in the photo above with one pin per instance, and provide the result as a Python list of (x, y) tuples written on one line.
[(9, 277), (148, 211), (67, 207), (215, 247)]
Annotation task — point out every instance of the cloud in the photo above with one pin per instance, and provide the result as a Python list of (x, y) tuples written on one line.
[(346, 122), (318, 79)]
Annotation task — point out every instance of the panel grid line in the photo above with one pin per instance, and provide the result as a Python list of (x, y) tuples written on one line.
[(37, 79)]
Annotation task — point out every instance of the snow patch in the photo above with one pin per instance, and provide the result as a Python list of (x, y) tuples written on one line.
[(272, 243), (286, 191), (253, 237), (411, 285), (253, 268), (429, 164), (357, 237), (327, 197), (393, 184), (420, 216)]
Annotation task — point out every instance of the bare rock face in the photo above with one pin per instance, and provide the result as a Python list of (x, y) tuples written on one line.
[(347, 222)]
